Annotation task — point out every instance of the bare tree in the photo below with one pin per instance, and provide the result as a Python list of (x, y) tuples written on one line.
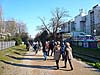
[(44, 26), (11, 27), (21, 27), (22, 31), (58, 18)]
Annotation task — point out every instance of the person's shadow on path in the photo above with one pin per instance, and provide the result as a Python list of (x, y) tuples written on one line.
[(30, 66), (24, 58)]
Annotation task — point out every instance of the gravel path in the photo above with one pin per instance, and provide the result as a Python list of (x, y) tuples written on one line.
[(35, 65)]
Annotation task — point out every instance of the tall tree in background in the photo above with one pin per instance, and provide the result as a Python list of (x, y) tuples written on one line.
[(11, 27), (43, 36), (58, 18), (22, 31), (56, 21), (21, 27)]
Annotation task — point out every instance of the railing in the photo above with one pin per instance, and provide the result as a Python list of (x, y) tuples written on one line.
[(86, 44), (6, 44)]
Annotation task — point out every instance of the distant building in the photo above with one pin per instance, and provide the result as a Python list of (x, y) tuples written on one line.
[(88, 23), (88, 28), (80, 22), (94, 16), (64, 27), (68, 26)]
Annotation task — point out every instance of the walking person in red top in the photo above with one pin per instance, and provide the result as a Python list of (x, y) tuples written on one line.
[(68, 55)]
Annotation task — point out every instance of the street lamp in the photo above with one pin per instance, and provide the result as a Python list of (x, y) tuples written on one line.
[(94, 32)]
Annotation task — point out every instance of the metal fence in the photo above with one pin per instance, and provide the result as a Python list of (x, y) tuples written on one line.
[(6, 44), (87, 44)]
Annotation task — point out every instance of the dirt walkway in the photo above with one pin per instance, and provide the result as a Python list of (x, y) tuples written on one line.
[(35, 65)]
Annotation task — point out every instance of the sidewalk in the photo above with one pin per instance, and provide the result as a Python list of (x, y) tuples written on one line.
[(38, 66)]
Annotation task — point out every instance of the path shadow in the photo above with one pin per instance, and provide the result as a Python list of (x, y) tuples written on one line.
[(33, 55), (24, 54), (30, 66), (28, 55), (19, 49), (17, 53), (89, 66), (66, 69), (95, 69), (21, 58), (50, 59)]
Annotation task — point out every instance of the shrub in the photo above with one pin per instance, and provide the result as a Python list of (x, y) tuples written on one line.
[(18, 40), (97, 65)]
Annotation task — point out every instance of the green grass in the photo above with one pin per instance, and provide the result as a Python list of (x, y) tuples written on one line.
[(16, 51), (88, 51), (97, 65)]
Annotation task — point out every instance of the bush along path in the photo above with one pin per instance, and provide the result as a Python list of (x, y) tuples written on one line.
[(19, 63)]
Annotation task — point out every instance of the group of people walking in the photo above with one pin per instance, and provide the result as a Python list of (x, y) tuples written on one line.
[(57, 50), (65, 51)]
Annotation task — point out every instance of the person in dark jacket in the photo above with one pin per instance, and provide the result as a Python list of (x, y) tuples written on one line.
[(51, 46), (63, 50), (27, 45), (44, 50)]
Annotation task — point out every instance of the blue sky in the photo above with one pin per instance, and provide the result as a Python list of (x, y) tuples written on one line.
[(28, 11)]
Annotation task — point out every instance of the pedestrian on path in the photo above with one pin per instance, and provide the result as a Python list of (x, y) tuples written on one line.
[(57, 53), (68, 55), (51, 47), (27, 45), (63, 50), (44, 50), (35, 46), (47, 46)]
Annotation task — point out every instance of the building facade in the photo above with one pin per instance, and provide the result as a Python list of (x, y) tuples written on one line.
[(80, 22), (88, 23), (68, 26), (95, 20)]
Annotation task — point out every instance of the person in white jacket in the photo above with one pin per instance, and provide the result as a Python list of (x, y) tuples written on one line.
[(68, 55)]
